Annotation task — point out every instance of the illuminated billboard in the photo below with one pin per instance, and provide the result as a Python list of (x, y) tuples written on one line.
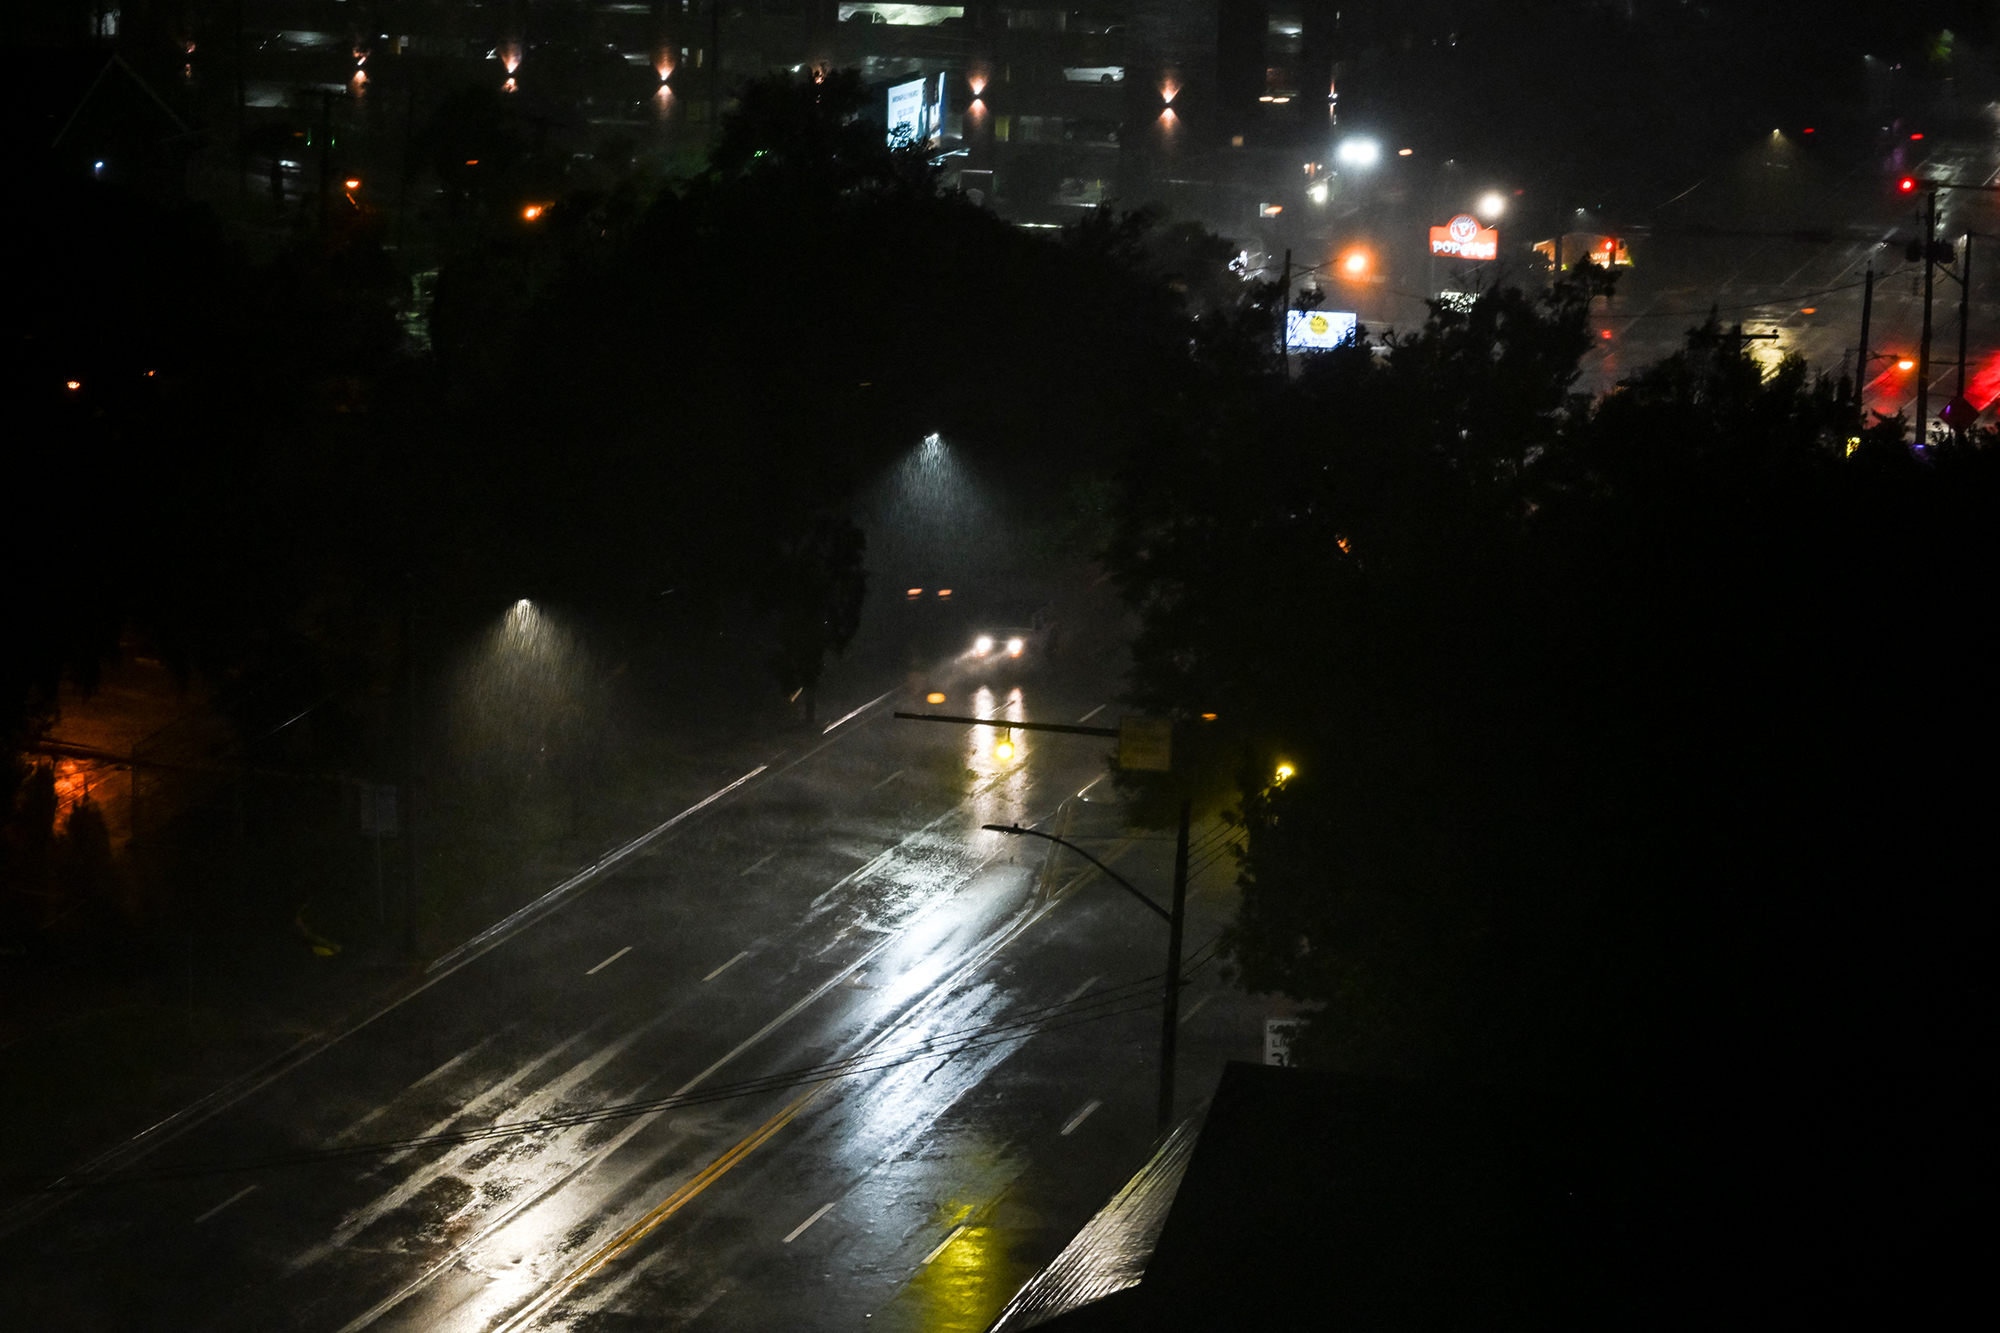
[(1464, 238), (916, 113), (906, 113), (1317, 330)]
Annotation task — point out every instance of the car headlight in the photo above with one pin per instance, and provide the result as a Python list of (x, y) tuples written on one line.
[(1015, 646), (982, 644)]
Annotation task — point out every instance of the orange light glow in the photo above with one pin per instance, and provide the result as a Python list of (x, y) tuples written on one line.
[(1208, 717), (1906, 364), (471, 161), (1810, 310), (508, 86), (933, 698), (916, 592), (532, 211), (75, 384), (1605, 334), (978, 83), (1405, 152), (1168, 91), (1355, 263), (353, 184), (510, 56), (944, 592)]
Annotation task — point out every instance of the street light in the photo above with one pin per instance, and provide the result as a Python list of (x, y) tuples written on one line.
[(1135, 752), (1358, 153), (1491, 205), (1176, 920)]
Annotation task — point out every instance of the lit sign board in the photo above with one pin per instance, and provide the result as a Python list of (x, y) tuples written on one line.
[(1317, 330), (1465, 238), (906, 113), (916, 113)]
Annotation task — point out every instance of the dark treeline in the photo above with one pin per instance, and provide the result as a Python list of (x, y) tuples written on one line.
[(1640, 774), (1639, 743), (649, 407)]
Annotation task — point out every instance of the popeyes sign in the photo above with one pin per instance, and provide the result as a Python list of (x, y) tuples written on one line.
[(1465, 238)]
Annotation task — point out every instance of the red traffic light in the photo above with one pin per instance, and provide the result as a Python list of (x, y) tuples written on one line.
[(1907, 185)]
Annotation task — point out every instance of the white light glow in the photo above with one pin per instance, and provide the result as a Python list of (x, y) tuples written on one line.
[(1359, 153)]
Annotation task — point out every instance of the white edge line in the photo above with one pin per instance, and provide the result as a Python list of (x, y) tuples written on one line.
[(800, 1229), (857, 712), (891, 778), (609, 961), (1081, 1116), (726, 966), (485, 939), (956, 1232), (390, 1302), (1093, 713), (1000, 940), (306, 1048), (225, 1203)]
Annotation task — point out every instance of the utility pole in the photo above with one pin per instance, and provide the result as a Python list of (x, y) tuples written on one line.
[(1170, 1006), (1284, 304), (1924, 348), (327, 153), (1964, 308), (714, 70), (1861, 359), (408, 823)]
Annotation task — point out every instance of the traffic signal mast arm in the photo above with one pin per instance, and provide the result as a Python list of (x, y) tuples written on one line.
[(1007, 724), (1016, 830)]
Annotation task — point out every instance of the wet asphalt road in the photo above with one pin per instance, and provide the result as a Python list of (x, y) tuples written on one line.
[(999, 1015)]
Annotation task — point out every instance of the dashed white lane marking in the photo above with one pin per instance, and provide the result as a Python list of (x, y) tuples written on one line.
[(956, 1232), (726, 966), (1195, 1008), (1092, 713), (800, 1229), (609, 961), (891, 778), (431, 1077), (1081, 1116), (759, 862), (1078, 992), (242, 1193), (856, 713)]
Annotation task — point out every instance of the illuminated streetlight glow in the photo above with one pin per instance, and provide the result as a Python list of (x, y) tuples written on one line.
[(1358, 153), (532, 211), (1285, 771), (1355, 263), (1904, 364), (1491, 205), (934, 698)]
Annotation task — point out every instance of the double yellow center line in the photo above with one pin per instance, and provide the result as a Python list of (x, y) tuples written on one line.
[(666, 1208)]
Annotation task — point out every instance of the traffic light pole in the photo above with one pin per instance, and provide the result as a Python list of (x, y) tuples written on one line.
[(1924, 348), (1861, 357)]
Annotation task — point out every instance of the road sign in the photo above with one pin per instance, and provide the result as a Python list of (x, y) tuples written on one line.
[(1146, 744), (1278, 1034)]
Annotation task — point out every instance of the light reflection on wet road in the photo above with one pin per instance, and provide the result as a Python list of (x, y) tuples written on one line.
[(880, 918)]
